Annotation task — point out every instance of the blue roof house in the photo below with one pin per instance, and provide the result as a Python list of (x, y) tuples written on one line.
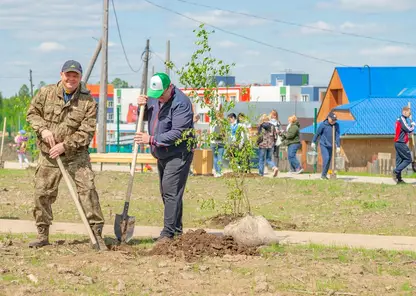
[(367, 101)]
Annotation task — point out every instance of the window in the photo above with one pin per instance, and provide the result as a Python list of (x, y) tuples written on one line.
[(283, 98), (233, 98), (110, 116), (110, 104), (201, 117), (305, 98), (279, 82)]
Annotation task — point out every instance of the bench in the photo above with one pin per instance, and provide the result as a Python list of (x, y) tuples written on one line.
[(142, 158)]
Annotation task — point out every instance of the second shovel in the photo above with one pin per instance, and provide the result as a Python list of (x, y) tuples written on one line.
[(124, 224)]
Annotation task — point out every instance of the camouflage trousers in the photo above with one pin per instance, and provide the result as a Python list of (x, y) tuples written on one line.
[(47, 179)]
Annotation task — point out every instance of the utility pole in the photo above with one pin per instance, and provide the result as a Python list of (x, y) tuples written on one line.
[(102, 104), (144, 84), (146, 67), (153, 70), (92, 62), (167, 57), (31, 83)]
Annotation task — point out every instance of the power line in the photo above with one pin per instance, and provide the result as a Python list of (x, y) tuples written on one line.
[(299, 25), (247, 38), (121, 41)]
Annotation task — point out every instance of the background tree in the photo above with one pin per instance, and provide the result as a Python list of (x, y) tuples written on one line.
[(199, 74), (118, 83)]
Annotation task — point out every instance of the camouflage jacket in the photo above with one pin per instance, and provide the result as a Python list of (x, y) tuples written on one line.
[(72, 123)]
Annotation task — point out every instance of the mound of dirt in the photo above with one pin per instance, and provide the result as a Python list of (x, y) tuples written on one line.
[(196, 244)]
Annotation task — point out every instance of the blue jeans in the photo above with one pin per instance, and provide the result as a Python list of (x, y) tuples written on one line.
[(265, 154), (291, 155), (218, 153), (326, 153)]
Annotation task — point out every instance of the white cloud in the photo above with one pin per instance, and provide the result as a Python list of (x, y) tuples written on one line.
[(389, 50), (221, 19), (48, 19), (366, 6), (320, 25), (50, 46), (347, 27), (226, 44)]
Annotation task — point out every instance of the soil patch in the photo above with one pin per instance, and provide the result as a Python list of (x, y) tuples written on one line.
[(196, 244), (238, 175), (223, 220)]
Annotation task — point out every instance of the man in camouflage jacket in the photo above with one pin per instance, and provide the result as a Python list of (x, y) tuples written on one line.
[(63, 116)]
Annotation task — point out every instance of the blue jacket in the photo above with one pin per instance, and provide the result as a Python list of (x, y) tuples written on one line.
[(167, 124), (403, 128), (325, 133)]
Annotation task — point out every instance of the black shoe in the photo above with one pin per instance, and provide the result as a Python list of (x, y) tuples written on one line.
[(324, 178), (401, 182), (163, 240), (395, 176)]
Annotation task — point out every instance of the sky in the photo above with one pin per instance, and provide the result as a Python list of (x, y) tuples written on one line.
[(41, 35)]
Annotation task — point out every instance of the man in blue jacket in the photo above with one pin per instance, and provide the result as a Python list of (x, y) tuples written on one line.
[(325, 133), (169, 115), (404, 126)]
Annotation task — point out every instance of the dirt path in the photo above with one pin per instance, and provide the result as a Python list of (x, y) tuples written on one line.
[(291, 237)]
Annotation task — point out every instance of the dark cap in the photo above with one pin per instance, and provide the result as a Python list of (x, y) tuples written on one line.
[(333, 116), (72, 66)]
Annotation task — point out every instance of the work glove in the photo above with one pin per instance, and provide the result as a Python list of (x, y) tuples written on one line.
[(338, 149), (313, 146)]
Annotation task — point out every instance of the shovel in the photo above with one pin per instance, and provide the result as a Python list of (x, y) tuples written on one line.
[(77, 204), (124, 224)]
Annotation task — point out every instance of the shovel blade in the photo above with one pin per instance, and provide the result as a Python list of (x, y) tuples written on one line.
[(414, 166), (124, 228)]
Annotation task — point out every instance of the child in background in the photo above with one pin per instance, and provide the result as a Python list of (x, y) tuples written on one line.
[(21, 144)]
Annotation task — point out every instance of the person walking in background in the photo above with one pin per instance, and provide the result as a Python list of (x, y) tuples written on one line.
[(244, 126), (21, 144), (324, 132), (218, 143), (292, 141), (404, 127), (232, 119), (266, 141), (274, 120)]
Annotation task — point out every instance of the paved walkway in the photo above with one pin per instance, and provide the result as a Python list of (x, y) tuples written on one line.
[(398, 243), (353, 179)]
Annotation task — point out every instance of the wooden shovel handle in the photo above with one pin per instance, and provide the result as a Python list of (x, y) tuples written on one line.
[(74, 196), (2, 139), (134, 160)]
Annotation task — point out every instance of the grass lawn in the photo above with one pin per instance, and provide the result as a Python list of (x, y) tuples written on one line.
[(312, 205), (72, 268)]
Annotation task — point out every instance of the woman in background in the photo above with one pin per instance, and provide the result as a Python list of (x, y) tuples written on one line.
[(266, 141), (292, 141), (274, 120)]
